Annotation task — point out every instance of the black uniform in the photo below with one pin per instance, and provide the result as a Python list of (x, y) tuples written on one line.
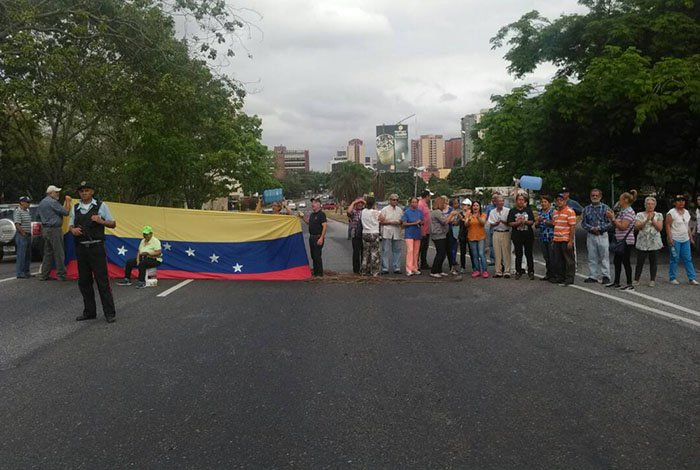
[(316, 221), (92, 262)]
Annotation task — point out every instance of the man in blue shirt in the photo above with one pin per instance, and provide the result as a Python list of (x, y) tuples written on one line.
[(545, 226), (88, 220), (51, 214), (596, 223)]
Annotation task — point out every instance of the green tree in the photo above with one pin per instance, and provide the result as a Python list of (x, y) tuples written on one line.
[(103, 89), (350, 180), (625, 103)]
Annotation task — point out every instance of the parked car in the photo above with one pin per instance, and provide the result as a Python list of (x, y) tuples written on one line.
[(8, 230), (329, 205), (302, 205), (291, 205)]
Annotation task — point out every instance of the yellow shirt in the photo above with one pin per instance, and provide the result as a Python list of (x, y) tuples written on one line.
[(152, 245)]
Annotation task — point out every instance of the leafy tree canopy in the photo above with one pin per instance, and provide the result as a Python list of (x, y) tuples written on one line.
[(623, 107), (101, 89)]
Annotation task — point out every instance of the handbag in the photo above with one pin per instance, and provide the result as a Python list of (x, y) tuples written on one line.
[(618, 246)]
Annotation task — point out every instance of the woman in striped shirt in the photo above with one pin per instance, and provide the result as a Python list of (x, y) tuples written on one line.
[(624, 230)]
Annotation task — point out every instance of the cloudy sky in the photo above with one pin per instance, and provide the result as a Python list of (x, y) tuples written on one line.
[(326, 71)]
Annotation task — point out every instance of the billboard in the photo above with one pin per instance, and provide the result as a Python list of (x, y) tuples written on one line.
[(393, 153)]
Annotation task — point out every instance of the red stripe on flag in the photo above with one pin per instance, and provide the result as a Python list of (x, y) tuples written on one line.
[(298, 273)]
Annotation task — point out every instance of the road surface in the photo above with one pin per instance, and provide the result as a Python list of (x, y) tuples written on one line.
[(348, 373)]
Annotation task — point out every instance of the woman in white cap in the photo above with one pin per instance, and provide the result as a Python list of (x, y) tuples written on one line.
[(462, 237)]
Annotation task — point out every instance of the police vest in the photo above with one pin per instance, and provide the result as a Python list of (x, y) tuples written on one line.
[(91, 230)]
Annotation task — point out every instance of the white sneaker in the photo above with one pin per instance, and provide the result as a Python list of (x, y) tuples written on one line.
[(436, 275), (652, 284), (409, 274), (675, 282), (635, 283), (444, 274), (417, 273), (694, 283)]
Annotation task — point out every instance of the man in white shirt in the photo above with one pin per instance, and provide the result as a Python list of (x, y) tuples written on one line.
[(501, 237), (390, 218), (679, 240)]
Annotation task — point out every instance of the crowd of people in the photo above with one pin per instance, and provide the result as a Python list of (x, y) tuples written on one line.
[(459, 227), (378, 236)]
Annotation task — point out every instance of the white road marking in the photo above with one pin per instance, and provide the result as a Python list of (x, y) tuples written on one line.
[(638, 306), (14, 278), (664, 302), (647, 297), (174, 288)]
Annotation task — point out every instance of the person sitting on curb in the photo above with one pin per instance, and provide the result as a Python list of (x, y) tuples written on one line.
[(148, 256)]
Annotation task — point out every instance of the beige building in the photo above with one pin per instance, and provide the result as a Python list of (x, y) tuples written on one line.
[(356, 152), (432, 151)]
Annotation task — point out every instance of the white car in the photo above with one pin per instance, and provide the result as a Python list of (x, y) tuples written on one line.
[(291, 205), (302, 205)]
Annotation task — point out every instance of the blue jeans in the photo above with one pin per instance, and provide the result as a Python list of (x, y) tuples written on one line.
[(393, 247), (476, 250), (24, 254), (452, 245), (680, 251)]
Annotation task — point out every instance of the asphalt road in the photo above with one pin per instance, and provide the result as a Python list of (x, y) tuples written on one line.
[(348, 373)]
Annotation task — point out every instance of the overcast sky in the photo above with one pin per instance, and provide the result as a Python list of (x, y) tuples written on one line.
[(326, 71)]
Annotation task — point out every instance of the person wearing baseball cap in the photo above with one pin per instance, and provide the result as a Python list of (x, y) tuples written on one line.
[(88, 220), (680, 239), (149, 255), (23, 238), (51, 214), (574, 205)]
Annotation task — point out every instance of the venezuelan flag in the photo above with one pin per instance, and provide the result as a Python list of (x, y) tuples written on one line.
[(206, 244)]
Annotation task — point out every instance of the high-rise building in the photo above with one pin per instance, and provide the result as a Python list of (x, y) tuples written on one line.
[(341, 156), (416, 160), (453, 151), (432, 151), (290, 160), (467, 124), (356, 152)]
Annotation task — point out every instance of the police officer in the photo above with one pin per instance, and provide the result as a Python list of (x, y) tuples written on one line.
[(88, 220)]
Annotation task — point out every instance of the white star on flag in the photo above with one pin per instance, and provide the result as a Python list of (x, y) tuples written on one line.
[(122, 251), (189, 251), (214, 258), (167, 246), (237, 268)]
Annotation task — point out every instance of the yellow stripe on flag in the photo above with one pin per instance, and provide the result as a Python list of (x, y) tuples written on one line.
[(200, 226)]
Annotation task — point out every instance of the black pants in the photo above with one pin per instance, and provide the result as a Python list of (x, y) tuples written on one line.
[(92, 263), (144, 265), (623, 259), (356, 255), (523, 241), (548, 261), (564, 267), (424, 244), (641, 257), (440, 255), (463, 253), (316, 252)]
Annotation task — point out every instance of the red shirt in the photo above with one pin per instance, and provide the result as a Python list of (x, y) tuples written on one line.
[(425, 228)]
